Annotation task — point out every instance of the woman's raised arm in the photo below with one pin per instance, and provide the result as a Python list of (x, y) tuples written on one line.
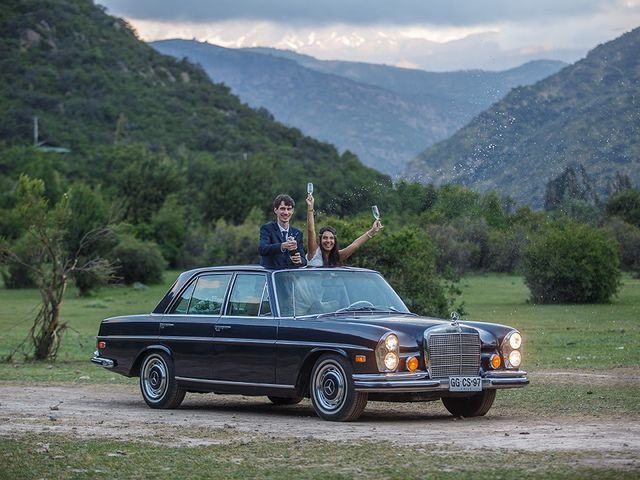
[(312, 243), (361, 240)]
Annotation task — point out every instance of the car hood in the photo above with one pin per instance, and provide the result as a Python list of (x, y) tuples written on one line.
[(411, 329)]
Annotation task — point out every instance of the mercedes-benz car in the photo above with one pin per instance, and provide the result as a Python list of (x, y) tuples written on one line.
[(341, 336)]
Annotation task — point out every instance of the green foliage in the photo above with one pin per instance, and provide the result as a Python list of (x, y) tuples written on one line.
[(406, 257), (586, 113), (235, 244), (137, 260), (572, 263), (628, 238), (44, 255), (573, 184), (626, 205), (170, 229)]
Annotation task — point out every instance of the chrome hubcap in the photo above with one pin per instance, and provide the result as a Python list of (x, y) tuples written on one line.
[(154, 377), (329, 387)]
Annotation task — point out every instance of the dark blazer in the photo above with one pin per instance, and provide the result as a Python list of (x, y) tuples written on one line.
[(271, 256)]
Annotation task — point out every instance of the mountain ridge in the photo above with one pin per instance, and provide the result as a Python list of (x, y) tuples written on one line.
[(383, 125), (588, 114)]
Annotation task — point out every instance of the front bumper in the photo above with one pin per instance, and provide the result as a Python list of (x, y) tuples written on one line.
[(420, 382), (103, 362)]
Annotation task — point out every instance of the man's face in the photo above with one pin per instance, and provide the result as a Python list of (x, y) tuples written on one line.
[(284, 213)]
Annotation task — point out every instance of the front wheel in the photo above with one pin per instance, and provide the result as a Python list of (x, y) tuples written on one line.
[(158, 382), (474, 406), (333, 394)]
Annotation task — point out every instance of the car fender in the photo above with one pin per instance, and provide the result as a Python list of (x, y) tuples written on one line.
[(135, 368), (304, 374)]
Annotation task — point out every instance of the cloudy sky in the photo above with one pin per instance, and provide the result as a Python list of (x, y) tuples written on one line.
[(435, 35)]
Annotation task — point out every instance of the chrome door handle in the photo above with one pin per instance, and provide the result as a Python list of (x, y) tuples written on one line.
[(219, 328), (163, 325)]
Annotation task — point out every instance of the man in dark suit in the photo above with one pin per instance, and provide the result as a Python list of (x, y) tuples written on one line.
[(281, 245)]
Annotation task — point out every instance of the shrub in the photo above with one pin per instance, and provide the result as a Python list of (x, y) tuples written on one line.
[(17, 274), (572, 263), (505, 249), (626, 205), (406, 257), (452, 252), (628, 238), (137, 260)]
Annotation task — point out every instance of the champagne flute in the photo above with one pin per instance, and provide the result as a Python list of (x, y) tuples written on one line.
[(376, 212), (309, 187)]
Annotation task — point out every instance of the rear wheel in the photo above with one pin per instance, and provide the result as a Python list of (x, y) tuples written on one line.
[(474, 406), (284, 400), (158, 382), (333, 394)]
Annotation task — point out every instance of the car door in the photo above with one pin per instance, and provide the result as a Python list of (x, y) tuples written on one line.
[(245, 336), (188, 330)]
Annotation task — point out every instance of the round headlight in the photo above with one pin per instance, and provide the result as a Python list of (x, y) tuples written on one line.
[(391, 361), (391, 342), (515, 340), (515, 358)]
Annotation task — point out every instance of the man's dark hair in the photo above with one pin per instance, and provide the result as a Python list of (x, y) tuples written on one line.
[(283, 197)]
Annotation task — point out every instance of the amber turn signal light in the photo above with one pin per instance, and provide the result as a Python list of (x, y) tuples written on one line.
[(495, 361), (412, 364), (361, 358)]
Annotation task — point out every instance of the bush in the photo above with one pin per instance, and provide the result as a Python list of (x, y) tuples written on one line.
[(406, 257), (453, 253), (505, 249), (16, 274), (137, 260), (628, 238), (572, 263)]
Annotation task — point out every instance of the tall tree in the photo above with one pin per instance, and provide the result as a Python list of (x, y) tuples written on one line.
[(45, 254)]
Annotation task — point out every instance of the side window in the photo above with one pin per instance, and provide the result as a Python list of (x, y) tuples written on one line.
[(208, 295), (265, 306), (246, 296), (183, 304)]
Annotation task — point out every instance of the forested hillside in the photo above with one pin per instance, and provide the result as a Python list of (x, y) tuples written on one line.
[(385, 115), (96, 88), (587, 114)]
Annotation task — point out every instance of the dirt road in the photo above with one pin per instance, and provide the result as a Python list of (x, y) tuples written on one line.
[(118, 412)]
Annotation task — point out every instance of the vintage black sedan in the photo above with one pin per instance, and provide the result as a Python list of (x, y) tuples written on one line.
[(338, 335)]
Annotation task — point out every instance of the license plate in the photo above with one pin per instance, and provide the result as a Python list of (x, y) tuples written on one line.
[(465, 384)]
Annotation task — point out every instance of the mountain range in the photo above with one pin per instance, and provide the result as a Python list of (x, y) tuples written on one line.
[(587, 114), (93, 85), (385, 115)]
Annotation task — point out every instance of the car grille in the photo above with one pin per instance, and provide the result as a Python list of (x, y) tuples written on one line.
[(453, 354)]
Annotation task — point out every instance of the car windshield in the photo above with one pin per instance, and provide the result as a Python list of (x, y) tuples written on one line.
[(314, 292)]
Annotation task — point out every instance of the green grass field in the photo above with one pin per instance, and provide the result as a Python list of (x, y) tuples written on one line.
[(555, 336), (561, 336)]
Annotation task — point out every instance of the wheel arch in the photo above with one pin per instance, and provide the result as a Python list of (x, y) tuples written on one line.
[(304, 375), (135, 367)]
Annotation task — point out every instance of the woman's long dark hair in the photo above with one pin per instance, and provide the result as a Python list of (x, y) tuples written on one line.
[(334, 255)]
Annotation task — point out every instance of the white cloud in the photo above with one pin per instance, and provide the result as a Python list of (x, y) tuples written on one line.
[(434, 35)]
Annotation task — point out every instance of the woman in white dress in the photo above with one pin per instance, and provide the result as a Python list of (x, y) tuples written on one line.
[(327, 252)]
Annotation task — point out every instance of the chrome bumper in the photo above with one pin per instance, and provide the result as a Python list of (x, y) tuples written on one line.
[(419, 381), (103, 362)]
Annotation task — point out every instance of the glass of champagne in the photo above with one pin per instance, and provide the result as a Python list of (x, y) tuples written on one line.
[(376, 212), (309, 187)]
